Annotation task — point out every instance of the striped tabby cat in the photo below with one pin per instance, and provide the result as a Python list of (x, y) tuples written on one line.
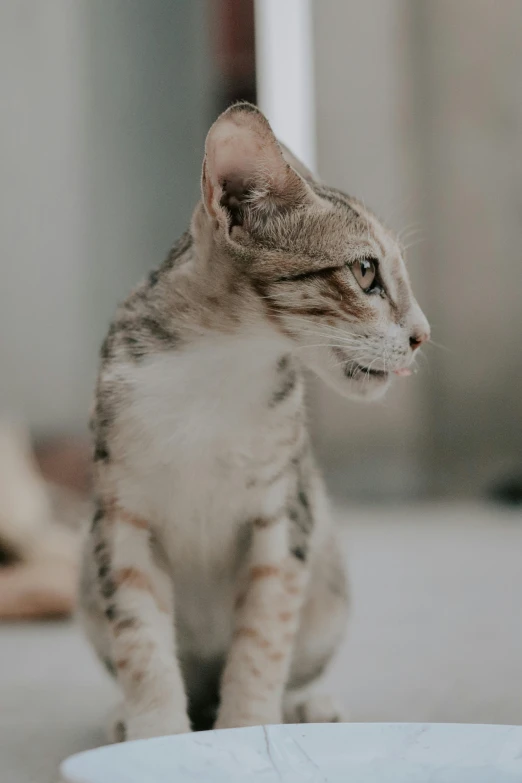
[(212, 584)]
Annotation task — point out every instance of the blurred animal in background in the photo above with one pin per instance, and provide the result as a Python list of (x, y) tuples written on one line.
[(40, 522)]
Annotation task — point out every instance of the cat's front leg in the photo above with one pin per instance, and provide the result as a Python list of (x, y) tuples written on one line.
[(139, 623), (266, 622)]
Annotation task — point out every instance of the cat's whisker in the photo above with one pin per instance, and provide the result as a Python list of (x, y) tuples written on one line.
[(402, 205), (409, 232), (384, 356), (308, 324), (368, 225), (302, 319), (358, 359), (439, 345), (368, 369), (331, 339), (420, 356), (345, 339), (327, 327), (318, 345), (415, 243), (307, 329), (426, 366)]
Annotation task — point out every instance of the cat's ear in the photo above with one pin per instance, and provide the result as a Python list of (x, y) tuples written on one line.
[(296, 164), (244, 169)]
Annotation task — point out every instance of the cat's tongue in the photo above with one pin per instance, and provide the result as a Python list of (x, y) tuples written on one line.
[(405, 371)]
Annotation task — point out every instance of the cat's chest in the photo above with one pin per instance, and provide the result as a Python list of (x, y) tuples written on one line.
[(209, 491), (218, 474), (210, 447)]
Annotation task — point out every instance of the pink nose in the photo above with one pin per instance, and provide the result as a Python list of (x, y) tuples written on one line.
[(417, 338)]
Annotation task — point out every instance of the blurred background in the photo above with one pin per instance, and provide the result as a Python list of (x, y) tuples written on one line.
[(413, 106)]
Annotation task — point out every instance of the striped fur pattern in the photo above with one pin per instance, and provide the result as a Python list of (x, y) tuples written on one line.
[(212, 584)]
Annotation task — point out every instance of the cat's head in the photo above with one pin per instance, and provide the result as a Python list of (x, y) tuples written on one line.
[(329, 276)]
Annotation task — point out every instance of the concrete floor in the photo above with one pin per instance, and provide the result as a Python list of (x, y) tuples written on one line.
[(435, 635)]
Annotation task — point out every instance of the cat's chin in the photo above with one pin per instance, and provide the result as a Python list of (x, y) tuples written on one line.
[(368, 392), (366, 387)]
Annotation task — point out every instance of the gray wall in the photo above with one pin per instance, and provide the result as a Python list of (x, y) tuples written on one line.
[(419, 112), (105, 108), (42, 211), (468, 101), (362, 90)]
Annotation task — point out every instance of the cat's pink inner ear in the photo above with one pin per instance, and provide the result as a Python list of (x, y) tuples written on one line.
[(237, 148), (241, 147), (208, 190)]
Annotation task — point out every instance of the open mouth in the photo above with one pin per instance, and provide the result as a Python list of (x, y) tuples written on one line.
[(353, 370)]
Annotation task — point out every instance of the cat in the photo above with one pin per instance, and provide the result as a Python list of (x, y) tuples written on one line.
[(212, 584)]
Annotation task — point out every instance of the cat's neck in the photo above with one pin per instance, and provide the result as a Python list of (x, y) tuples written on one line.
[(215, 387), (243, 366), (228, 345)]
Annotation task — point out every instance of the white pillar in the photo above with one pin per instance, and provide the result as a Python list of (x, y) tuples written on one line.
[(285, 73)]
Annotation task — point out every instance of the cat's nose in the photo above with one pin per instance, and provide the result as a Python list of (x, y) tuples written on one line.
[(418, 338)]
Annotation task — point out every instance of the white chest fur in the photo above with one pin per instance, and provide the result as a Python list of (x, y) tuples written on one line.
[(205, 447), (206, 441)]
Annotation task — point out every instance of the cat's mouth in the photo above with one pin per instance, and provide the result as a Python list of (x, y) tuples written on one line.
[(358, 371), (354, 370)]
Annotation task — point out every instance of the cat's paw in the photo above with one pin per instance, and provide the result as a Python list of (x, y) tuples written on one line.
[(245, 718), (156, 723), (144, 725), (315, 707), (116, 728)]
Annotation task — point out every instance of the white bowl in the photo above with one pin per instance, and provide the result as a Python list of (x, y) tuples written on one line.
[(322, 753)]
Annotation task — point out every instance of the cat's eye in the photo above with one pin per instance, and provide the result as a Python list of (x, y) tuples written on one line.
[(365, 272)]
